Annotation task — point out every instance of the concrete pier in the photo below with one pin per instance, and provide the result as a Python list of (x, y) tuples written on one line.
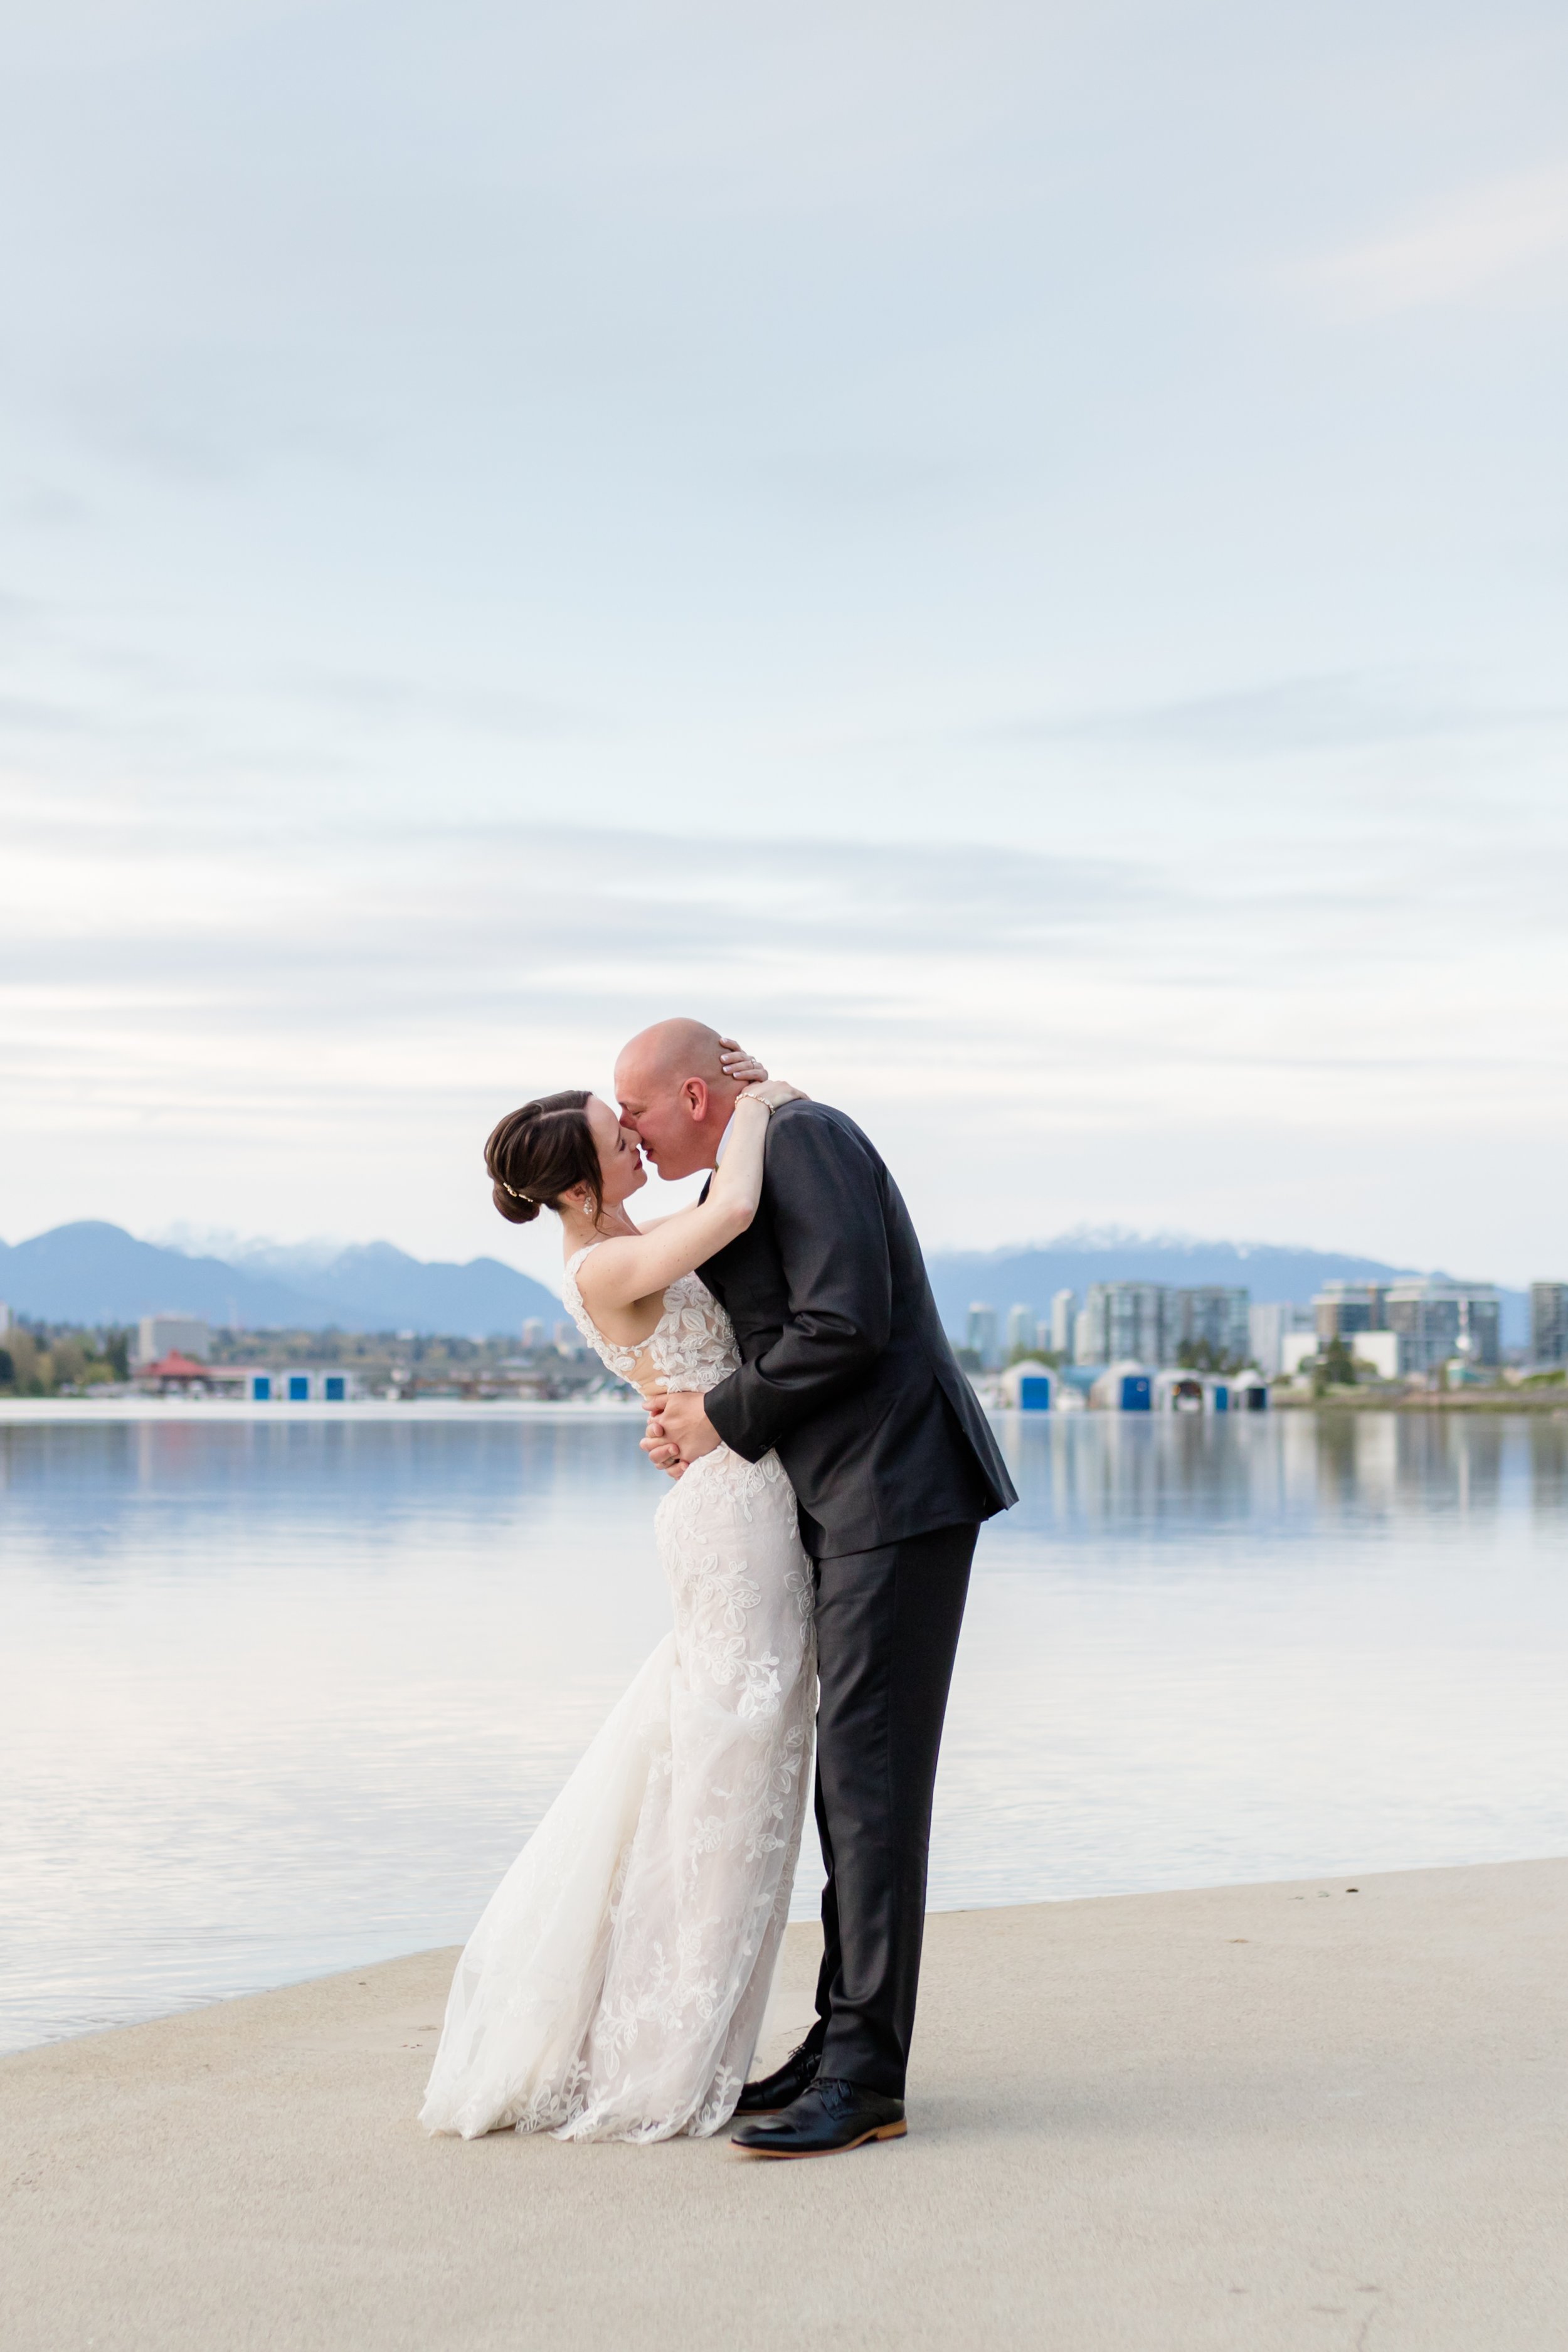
[(1288, 2116)]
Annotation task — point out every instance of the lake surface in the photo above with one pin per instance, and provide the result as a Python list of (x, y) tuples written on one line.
[(279, 1696)]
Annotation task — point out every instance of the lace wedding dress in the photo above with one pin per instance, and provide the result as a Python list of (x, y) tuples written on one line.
[(615, 1987)]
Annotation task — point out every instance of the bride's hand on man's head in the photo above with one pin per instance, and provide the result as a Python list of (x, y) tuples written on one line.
[(753, 1078), (743, 1067)]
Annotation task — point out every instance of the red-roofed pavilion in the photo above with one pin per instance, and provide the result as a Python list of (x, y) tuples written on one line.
[(175, 1369)]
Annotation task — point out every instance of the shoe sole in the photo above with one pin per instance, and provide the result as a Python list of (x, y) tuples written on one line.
[(804, 2155)]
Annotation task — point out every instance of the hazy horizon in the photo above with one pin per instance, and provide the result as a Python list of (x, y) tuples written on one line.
[(272, 1251), (219, 1242)]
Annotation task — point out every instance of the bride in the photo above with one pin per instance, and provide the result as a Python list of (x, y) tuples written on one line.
[(615, 1987)]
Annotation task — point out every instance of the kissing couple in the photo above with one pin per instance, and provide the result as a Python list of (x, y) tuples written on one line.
[(831, 1467)]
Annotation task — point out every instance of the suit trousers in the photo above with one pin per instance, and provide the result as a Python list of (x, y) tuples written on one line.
[(886, 1631)]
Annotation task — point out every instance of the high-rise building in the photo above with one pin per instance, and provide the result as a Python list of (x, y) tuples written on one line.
[(1214, 1315), (533, 1332), (1062, 1307), (1021, 1330), (980, 1334), (1342, 1308), (1127, 1321), (1268, 1325), (1083, 1329), (1548, 1323), (1436, 1320)]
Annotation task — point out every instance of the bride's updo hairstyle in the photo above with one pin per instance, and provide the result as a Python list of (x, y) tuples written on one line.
[(537, 1153)]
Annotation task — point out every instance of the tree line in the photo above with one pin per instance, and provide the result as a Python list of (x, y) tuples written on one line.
[(41, 1359)]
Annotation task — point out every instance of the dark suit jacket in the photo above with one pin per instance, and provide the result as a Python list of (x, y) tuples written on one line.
[(846, 1368)]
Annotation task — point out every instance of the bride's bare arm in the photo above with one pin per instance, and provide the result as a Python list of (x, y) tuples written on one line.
[(620, 1272)]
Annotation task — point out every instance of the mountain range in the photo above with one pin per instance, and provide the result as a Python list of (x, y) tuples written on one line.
[(95, 1272)]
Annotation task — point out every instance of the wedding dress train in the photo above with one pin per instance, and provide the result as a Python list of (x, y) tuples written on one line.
[(614, 1986)]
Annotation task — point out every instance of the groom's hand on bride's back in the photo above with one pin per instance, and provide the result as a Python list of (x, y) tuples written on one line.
[(661, 1451), (679, 1431)]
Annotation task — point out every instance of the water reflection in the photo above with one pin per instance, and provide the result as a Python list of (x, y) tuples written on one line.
[(1154, 1472), (278, 1697)]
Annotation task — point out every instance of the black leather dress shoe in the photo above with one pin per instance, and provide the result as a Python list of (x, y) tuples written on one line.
[(785, 2083), (829, 2117)]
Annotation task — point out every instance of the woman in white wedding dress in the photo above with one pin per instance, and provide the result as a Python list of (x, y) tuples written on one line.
[(614, 1986)]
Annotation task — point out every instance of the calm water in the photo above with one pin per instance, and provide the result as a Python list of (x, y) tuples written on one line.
[(277, 1697)]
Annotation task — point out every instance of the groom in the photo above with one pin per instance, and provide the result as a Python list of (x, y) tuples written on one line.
[(846, 1372)]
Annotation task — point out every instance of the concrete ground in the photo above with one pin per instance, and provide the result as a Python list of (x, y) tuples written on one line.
[(1254, 2117)]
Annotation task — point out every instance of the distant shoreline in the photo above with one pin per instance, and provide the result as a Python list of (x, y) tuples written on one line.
[(604, 1407), (1534, 1401), (609, 1406)]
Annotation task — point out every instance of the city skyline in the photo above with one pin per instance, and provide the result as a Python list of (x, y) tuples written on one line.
[(1408, 1326)]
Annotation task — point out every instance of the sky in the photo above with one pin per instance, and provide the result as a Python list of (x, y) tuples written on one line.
[(1015, 557)]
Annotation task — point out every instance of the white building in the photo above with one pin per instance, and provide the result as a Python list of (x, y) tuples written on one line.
[(299, 1384), (1062, 1309), (1123, 1387), (533, 1332), (1268, 1325), (1379, 1349), (158, 1336), (1021, 1329)]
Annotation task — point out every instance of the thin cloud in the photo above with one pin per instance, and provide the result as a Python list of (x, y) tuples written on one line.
[(397, 702), (1508, 234), (1295, 715)]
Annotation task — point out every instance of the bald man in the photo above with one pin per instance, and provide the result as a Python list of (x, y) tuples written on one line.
[(847, 1374)]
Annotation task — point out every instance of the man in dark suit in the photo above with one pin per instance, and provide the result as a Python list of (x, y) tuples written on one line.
[(847, 1373)]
